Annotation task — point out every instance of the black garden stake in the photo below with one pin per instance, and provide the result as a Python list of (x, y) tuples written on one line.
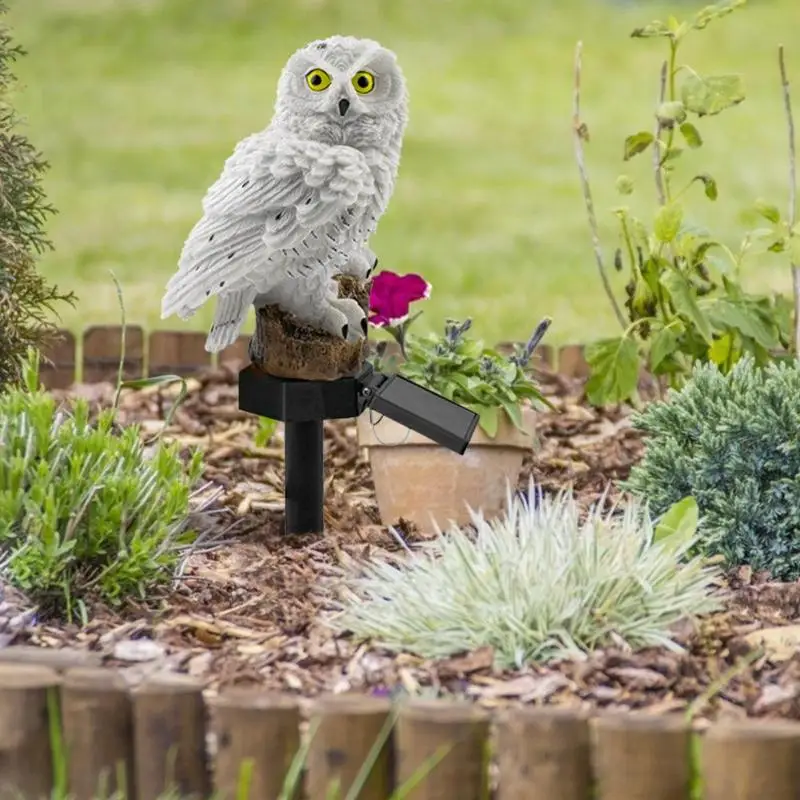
[(303, 406)]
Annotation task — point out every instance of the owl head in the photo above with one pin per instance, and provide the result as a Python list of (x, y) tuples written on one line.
[(343, 90)]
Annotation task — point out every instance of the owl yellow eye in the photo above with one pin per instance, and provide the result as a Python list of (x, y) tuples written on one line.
[(363, 82), (318, 80)]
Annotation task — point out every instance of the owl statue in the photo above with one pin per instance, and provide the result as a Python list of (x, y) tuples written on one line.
[(295, 204)]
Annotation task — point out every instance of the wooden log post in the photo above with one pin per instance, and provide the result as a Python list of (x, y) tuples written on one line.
[(256, 727), (170, 739), (102, 346), (349, 731), (26, 754), (572, 361), (98, 733), (285, 349), (176, 353), (57, 367), (751, 760), (640, 757), (544, 754), (443, 746)]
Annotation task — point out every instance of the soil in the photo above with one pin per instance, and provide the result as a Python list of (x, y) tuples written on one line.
[(245, 608)]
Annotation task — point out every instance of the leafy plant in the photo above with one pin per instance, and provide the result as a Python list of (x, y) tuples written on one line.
[(733, 443), (265, 431), (684, 299), (26, 299), (544, 581), (475, 376), (452, 364), (86, 511)]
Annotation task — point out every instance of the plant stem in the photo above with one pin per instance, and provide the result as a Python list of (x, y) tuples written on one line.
[(787, 103), (579, 133), (657, 156)]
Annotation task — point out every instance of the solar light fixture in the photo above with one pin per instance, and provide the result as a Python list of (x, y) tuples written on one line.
[(304, 405)]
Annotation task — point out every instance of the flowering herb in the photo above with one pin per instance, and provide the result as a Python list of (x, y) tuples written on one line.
[(451, 363)]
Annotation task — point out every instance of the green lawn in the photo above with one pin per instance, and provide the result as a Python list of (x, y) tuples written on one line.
[(136, 103)]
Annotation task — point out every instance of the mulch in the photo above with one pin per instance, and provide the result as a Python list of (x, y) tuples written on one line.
[(245, 608)]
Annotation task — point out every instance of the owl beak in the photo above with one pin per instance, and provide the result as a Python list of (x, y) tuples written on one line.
[(344, 104)]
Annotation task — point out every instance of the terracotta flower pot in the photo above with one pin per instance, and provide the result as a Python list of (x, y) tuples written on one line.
[(426, 484)]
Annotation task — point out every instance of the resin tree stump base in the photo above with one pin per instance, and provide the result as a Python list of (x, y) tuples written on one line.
[(284, 348)]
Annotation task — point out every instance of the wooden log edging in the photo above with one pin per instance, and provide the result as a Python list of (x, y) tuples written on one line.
[(94, 356), (89, 726)]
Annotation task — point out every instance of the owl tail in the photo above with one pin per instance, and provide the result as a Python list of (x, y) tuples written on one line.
[(228, 319)]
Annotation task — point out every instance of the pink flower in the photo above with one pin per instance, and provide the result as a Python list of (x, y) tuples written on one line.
[(392, 294)]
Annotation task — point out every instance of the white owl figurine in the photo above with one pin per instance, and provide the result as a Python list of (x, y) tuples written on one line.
[(296, 203)]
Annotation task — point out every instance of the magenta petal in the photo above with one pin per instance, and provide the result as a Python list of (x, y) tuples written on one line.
[(378, 320), (392, 294), (413, 287), (396, 307), (383, 285)]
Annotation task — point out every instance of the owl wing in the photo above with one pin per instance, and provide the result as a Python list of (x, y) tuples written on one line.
[(274, 195)]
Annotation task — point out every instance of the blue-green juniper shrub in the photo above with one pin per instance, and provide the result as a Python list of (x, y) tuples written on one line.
[(733, 443)]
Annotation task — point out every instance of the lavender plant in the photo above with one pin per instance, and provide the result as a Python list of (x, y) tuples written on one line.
[(480, 378), (544, 581), (452, 363), (684, 300), (86, 511)]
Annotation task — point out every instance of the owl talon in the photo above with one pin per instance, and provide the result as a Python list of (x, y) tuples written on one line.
[(356, 317)]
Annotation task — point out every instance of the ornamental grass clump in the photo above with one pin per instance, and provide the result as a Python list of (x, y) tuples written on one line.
[(733, 443), (86, 512), (541, 582)]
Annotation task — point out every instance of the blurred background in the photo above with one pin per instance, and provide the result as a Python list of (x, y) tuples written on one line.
[(136, 104)]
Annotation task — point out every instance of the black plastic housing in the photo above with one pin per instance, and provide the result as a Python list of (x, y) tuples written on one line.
[(290, 400), (303, 406)]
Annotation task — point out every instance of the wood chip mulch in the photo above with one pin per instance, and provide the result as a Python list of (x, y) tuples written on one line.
[(246, 610)]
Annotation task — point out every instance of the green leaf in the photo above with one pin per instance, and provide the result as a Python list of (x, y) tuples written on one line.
[(725, 314), (670, 112), (778, 246), (614, 365), (678, 29), (489, 419), (624, 185), (514, 414), (683, 298), (706, 96), (668, 222), (691, 135), (709, 185), (663, 345), (637, 143), (654, 29), (672, 154), (678, 526), (768, 211), (265, 431), (715, 11), (720, 350)]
